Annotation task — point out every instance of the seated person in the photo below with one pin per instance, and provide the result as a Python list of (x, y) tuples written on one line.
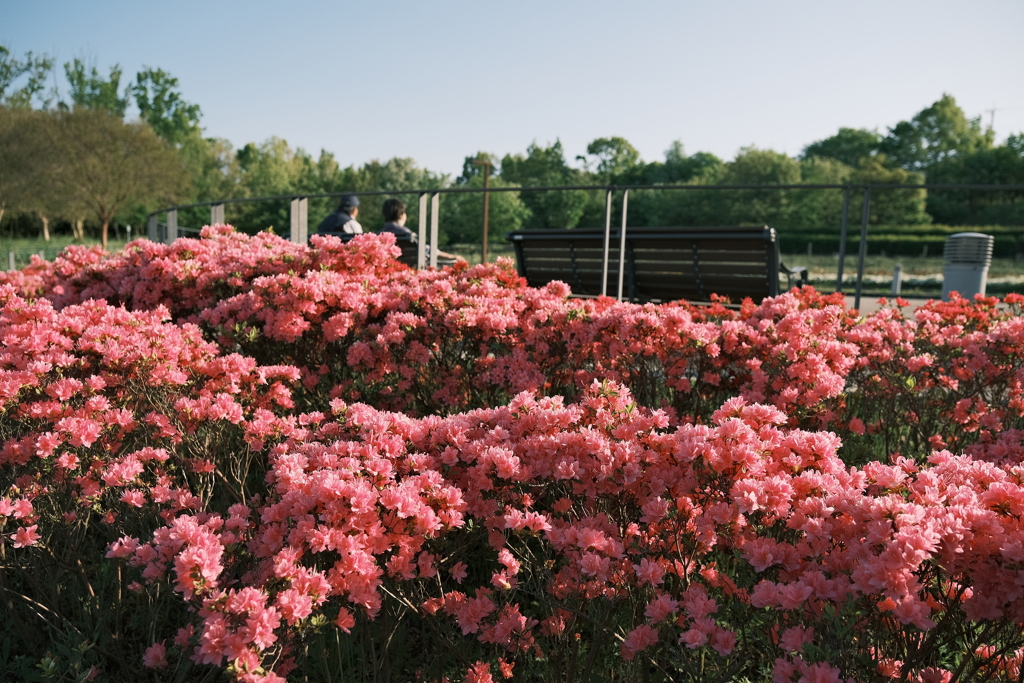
[(342, 223), (395, 217)]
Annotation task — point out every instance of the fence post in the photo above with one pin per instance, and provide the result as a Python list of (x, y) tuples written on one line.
[(299, 219), (151, 229), (897, 276), (622, 242), (216, 214), (10, 261), (487, 210), (172, 226), (435, 207), (863, 252), (842, 238), (421, 248), (607, 239)]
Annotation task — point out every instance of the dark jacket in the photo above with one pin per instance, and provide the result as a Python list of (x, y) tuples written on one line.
[(399, 230), (339, 223)]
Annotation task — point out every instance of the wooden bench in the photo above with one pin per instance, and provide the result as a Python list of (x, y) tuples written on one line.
[(662, 264)]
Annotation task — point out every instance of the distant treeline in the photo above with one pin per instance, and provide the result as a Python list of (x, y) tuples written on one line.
[(70, 161)]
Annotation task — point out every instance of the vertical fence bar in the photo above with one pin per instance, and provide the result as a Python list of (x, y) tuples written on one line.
[(607, 239), (435, 207), (10, 261), (172, 225), (152, 232), (299, 220), (622, 242), (863, 252), (216, 214), (842, 238), (487, 210), (421, 248)]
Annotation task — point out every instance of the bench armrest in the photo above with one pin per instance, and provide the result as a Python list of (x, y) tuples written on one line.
[(798, 272)]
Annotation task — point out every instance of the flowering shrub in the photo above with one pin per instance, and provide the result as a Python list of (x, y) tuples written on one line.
[(190, 275), (113, 422), (327, 450), (535, 527)]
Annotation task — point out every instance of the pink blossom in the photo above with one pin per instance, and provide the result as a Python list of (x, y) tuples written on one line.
[(156, 656), (640, 638), (26, 536)]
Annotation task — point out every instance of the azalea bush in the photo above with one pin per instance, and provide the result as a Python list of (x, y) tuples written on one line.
[(113, 422), (243, 455)]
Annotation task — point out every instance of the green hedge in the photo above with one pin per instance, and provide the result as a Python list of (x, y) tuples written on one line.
[(897, 240)]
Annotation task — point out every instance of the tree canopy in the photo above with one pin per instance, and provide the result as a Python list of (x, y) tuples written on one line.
[(57, 150)]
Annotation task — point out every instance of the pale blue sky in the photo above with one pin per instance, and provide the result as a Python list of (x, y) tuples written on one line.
[(438, 81)]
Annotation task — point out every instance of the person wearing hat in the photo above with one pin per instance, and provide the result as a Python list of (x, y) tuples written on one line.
[(343, 221)]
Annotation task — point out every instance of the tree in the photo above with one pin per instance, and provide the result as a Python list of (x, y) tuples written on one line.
[(15, 158), (614, 160), (162, 107), (680, 168), (848, 146), (889, 206), (472, 166), (934, 135), (462, 214), (753, 166), (545, 166), (820, 208), (36, 69), (1002, 165), (36, 167), (106, 164), (92, 91)]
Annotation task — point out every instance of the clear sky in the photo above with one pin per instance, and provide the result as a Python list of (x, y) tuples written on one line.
[(437, 81)]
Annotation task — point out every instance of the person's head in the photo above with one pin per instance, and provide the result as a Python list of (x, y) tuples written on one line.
[(394, 210), (349, 204)]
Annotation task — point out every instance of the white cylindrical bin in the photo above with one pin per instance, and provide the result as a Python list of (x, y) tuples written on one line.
[(967, 257)]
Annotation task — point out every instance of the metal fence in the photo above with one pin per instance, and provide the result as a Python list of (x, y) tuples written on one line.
[(169, 230)]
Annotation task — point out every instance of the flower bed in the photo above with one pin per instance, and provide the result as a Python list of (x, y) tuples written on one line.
[(248, 453)]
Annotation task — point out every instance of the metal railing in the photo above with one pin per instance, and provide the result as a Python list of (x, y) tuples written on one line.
[(299, 214)]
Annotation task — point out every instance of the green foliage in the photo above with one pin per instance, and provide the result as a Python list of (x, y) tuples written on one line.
[(161, 106), (936, 134), (103, 165), (680, 168), (848, 146), (1002, 165), (546, 166), (34, 69), (89, 89), (889, 205), (939, 143), (474, 166), (614, 160), (462, 214)]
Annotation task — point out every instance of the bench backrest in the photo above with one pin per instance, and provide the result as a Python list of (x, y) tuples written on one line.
[(662, 264)]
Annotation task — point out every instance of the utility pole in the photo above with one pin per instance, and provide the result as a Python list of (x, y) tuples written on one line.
[(487, 203), (991, 117)]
